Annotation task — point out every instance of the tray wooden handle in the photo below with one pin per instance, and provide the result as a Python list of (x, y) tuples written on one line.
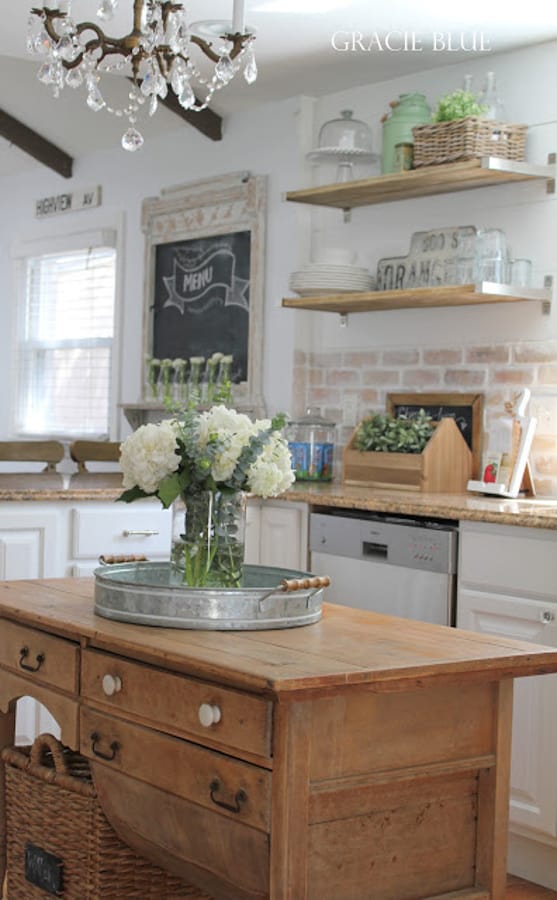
[(303, 584), (111, 560)]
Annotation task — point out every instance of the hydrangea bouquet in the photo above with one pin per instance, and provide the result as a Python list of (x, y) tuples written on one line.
[(203, 463)]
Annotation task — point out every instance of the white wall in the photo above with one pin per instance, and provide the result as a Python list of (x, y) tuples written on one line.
[(272, 140), (263, 141), (524, 211)]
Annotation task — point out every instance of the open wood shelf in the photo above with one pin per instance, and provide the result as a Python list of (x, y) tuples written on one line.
[(419, 298), (443, 179)]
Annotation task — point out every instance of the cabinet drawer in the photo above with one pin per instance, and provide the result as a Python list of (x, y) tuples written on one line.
[(509, 558), (120, 529), (213, 780), (39, 657), (182, 705)]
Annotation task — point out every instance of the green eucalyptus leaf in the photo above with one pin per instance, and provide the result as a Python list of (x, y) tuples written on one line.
[(134, 493), (169, 489)]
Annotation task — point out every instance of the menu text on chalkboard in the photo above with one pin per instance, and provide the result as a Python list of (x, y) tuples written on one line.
[(202, 299)]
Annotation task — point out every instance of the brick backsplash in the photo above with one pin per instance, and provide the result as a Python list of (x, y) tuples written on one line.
[(498, 371)]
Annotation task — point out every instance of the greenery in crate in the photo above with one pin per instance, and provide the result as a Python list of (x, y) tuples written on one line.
[(458, 105), (384, 433)]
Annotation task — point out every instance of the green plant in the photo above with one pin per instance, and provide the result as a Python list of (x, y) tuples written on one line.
[(384, 433), (458, 105)]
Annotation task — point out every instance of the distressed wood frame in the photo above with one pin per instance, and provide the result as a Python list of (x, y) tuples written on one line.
[(216, 206)]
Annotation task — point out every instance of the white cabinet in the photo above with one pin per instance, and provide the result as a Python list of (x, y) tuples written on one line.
[(508, 586), (277, 534), (97, 527), (32, 540)]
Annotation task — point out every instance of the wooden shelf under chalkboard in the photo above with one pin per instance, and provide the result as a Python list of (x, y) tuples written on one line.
[(424, 182), (421, 298)]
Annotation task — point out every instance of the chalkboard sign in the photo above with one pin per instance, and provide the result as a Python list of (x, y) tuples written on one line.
[(202, 299), (43, 869), (465, 409)]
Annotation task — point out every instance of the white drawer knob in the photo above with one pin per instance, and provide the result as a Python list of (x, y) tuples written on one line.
[(209, 714), (111, 684)]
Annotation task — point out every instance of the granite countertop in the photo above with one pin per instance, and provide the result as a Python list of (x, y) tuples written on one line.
[(54, 486), (533, 512)]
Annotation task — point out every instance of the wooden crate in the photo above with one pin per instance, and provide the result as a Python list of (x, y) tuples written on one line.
[(445, 464)]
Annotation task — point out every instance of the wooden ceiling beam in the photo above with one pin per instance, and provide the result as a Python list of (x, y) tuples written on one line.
[(35, 145), (206, 121)]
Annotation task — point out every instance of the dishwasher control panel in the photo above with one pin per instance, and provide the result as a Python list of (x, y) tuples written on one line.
[(429, 547)]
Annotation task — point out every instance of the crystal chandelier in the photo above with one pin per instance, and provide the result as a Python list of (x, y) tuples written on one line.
[(155, 55)]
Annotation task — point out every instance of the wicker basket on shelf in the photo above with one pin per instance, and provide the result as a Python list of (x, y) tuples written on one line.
[(469, 138), (59, 838)]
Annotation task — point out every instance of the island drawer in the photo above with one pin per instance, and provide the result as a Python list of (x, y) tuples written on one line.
[(39, 657), (179, 704), (224, 785)]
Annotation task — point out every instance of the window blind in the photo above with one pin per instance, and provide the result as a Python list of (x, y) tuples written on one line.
[(65, 347)]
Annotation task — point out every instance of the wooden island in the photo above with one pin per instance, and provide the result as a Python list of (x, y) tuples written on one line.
[(360, 758)]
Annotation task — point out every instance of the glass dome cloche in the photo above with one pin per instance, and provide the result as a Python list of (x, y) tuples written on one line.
[(345, 141)]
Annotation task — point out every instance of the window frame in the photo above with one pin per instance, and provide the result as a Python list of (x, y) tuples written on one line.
[(62, 243)]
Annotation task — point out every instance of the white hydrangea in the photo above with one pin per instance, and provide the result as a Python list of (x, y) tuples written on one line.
[(234, 430), (271, 473), (149, 455)]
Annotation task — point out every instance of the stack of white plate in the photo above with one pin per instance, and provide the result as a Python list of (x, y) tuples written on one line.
[(323, 278)]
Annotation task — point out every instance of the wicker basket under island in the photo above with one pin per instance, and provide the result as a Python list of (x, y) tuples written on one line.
[(468, 138), (59, 841)]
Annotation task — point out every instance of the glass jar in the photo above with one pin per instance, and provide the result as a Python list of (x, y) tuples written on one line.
[(311, 443), (406, 112)]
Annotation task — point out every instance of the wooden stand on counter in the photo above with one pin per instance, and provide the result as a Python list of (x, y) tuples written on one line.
[(445, 465)]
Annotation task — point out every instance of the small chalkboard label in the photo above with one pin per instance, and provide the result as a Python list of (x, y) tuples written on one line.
[(43, 869)]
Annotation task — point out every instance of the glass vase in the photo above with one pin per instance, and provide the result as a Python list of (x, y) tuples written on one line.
[(208, 529)]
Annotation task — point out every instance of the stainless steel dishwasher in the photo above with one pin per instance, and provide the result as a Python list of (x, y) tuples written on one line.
[(396, 565)]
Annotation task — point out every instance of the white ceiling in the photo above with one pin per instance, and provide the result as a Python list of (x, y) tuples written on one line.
[(293, 49)]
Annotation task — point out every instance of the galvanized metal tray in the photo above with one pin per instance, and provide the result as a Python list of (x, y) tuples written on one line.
[(151, 593)]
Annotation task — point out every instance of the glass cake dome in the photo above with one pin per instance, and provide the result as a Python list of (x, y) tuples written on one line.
[(345, 141)]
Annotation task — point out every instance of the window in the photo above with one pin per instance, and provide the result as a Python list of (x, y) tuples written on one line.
[(64, 355)]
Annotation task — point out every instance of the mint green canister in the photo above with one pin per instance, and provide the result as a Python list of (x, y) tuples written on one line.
[(409, 110)]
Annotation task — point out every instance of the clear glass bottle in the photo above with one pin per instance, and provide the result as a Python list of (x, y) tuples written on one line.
[(489, 97), (467, 83)]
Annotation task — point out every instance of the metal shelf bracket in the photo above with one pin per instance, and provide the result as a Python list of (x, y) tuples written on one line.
[(548, 285), (551, 161)]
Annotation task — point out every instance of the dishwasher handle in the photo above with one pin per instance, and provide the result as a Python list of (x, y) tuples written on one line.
[(374, 550)]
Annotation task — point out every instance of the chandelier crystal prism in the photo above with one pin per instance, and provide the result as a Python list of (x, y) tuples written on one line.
[(156, 55)]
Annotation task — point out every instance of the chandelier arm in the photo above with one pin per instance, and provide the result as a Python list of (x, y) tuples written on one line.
[(237, 40)]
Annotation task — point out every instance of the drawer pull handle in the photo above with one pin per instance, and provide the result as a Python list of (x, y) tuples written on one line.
[(209, 714), (114, 747), (240, 797), (111, 684), (23, 654), (145, 533), (547, 616)]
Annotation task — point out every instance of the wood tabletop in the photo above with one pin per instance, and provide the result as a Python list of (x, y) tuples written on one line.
[(347, 647)]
